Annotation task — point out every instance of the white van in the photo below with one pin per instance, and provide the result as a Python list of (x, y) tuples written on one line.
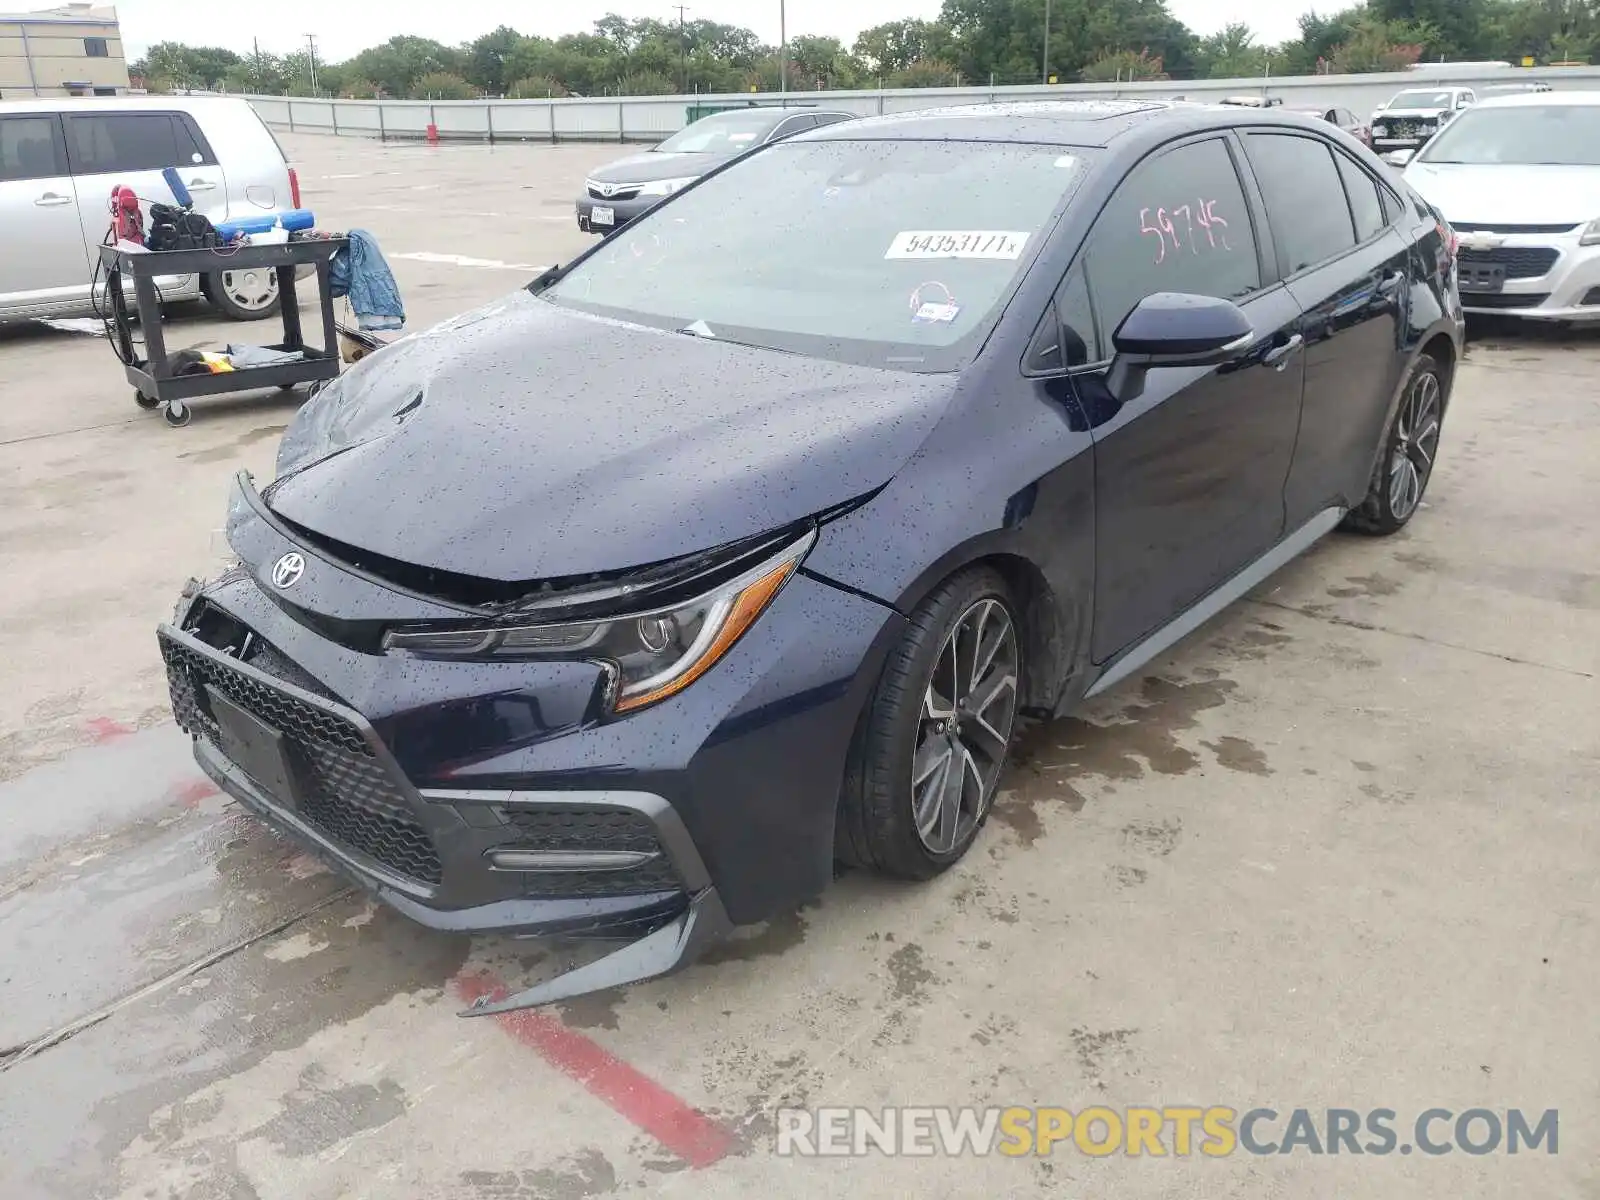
[(60, 160)]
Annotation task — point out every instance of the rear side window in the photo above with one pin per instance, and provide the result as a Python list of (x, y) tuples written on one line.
[(1303, 194), (28, 149), (103, 143), (1178, 223), (192, 145), (1365, 205)]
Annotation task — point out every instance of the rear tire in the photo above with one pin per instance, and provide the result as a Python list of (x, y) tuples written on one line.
[(250, 294), (1410, 449), (932, 745)]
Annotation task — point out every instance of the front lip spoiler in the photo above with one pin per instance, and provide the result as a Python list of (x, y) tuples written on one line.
[(662, 952)]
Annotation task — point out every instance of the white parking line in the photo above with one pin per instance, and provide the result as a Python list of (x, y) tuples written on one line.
[(462, 260)]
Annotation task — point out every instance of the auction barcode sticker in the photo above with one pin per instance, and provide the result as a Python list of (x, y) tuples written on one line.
[(957, 243)]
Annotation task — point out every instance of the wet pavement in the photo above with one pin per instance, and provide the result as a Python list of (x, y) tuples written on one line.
[(1338, 849)]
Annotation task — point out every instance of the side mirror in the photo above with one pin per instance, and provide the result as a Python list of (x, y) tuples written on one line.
[(1399, 158), (1174, 329)]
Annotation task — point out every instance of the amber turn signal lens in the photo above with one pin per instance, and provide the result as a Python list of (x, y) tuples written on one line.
[(746, 608)]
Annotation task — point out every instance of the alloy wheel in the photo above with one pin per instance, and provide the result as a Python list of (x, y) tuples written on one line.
[(1415, 446), (252, 289), (968, 712)]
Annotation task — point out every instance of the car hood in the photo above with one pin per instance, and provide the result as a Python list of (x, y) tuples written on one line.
[(1508, 194), (656, 164), (527, 441), (1409, 114)]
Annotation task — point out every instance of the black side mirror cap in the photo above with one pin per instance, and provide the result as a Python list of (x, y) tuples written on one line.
[(1176, 329)]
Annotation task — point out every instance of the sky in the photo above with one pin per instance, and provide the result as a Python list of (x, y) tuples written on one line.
[(346, 27)]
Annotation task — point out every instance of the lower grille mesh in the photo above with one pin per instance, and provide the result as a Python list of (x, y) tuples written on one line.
[(347, 793)]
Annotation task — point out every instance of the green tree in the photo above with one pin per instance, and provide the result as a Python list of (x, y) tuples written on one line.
[(1382, 46), (399, 63), (822, 62), (197, 67), (442, 85), (536, 87), (885, 49), (1231, 53), (925, 72), (1125, 65), (488, 58)]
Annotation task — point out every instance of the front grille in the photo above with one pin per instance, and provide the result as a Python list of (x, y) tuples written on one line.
[(1503, 299), (583, 828), (1520, 262), (347, 793), (625, 194)]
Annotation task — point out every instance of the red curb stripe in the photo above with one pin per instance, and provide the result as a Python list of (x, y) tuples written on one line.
[(104, 729), (677, 1125)]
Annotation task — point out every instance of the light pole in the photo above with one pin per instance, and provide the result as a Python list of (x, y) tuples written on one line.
[(1044, 67), (311, 45), (783, 47)]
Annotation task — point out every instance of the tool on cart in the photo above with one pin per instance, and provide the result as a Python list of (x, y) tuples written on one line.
[(127, 221)]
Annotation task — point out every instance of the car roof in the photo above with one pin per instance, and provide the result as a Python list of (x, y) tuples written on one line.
[(117, 103), (1542, 100), (1087, 123)]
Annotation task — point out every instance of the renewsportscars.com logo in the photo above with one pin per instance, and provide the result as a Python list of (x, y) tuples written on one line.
[(1170, 1131)]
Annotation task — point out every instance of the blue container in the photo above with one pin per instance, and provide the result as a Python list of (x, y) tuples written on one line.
[(294, 219)]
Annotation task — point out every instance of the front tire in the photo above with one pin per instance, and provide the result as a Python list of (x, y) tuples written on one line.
[(932, 745), (1410, 448), (250, 294)]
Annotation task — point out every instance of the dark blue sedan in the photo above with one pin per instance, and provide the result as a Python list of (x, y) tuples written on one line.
[(628, 605)]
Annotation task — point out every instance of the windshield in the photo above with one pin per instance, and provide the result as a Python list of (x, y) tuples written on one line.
[(1556, 134), (886, 254), (1422, 99), (724, 133)]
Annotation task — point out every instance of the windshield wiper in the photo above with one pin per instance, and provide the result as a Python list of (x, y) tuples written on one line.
[(545, 278)]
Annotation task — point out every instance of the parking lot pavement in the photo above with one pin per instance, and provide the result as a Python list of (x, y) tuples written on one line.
[(1338, 849)]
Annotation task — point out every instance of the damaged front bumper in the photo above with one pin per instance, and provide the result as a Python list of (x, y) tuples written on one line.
[(501, 797), (627, 865)]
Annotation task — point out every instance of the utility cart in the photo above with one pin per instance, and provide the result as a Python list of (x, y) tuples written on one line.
[(155, 386)]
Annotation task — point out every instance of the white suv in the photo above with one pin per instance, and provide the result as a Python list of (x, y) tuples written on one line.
[(60, 160)]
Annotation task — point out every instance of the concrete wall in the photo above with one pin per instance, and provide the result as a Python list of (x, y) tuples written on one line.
[(651, 118), (55, 50)]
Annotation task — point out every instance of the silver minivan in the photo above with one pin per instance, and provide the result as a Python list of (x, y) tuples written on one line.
[(60, 160)]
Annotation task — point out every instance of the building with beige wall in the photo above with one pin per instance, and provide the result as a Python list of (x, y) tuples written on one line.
[(70, 50)]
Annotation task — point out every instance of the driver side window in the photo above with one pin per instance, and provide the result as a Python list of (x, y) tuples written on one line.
[(1179, 222)]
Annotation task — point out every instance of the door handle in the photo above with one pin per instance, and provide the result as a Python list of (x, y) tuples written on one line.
[(51, 200), (201, 185), (1278, 357)]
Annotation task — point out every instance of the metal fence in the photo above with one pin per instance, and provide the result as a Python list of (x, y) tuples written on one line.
[(651, 118)]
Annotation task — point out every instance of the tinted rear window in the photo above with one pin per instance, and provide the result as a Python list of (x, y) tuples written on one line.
[(28, 149), (892, 254), (99, 144), (1304, 198)]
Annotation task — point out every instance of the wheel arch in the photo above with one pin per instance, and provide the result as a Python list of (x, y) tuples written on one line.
[(1045, 615)]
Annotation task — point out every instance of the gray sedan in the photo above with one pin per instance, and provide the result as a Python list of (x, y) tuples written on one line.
[(618, 192)]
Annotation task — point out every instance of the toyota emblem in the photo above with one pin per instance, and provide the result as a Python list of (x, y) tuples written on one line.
[(287, 570)]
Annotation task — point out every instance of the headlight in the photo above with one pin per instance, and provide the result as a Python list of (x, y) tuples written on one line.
[(665, 187), (1591, 234), (650, 655), (1380, 131)]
